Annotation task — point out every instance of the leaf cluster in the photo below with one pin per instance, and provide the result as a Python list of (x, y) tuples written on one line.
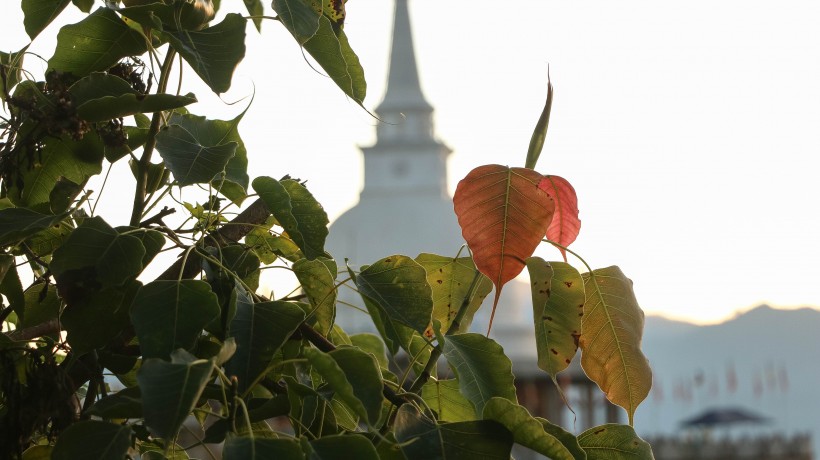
[(101, 359)]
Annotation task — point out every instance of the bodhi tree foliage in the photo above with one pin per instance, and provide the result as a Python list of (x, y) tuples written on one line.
[(264, 377)]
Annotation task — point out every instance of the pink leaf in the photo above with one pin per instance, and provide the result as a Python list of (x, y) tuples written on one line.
[(565, 224)]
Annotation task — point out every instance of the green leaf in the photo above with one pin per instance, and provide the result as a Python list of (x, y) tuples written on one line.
[(539, 134), (84, 5), (332, 51), (152, 241), (260, 330), (450, 279), (126, 403), (72, 160), (355, 377), (44, 243), (115, 258), (17, 224), (38, 453), (171, 314), (343, 447), (445, 398), (39, 306), (10, 286), (423, 439), (170, 390), (158, 176), (247, 448), (526, 430), (557, 309), (482, 368), (94, 44), (297, 211), (256, 10), (269, 247), (611, 339), (319, 284), (239, 261), (96, 317), (40, 13), (187, 153), (614, 442), (93, 440), (12, 65), (309, 411), (298, 17), (398, 284), (372, 344), (213, 52), (214, 133), (101, 97)]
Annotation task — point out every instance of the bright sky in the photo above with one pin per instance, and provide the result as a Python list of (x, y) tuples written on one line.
[(690, 131)]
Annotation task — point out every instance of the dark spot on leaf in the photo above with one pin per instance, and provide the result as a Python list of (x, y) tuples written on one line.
[(568, 283), (554, 351), (634, 443), (576, 338), (548, 292), (548, 318), (581, 314), (439, 281), (581, 306), (387, 261), (542, 291), (599, 431), (567, 361)]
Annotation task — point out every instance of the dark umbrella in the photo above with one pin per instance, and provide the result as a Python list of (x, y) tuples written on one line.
[(724, 416)]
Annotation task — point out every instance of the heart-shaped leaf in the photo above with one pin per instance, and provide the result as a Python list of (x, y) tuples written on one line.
[(93, 439), (298, 17), (422, 439), (40, 13), (398, 284), (260, 330), (95, 44), (214, 52), (445, 398), (354, 376), (503, 216), (330, 48), (171, 314), (319, 284), (450, 280), (565, 224), (557, 309), (16, 224), (614, 442), (254, 448), (100, 97), (483, 370), (343, 447), (611, 339), (170, 390), (526, 429), (297, 211)]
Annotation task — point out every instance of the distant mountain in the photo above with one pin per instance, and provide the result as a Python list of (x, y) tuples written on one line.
[(765, 359)]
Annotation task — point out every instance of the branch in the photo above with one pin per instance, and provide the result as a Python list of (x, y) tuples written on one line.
[(150, 143), (157, 219)]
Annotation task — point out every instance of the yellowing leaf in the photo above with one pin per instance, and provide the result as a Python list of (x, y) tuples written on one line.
[(503, 216), (611, 339)]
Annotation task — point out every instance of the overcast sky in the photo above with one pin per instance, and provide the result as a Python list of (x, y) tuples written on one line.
[(690, 131)]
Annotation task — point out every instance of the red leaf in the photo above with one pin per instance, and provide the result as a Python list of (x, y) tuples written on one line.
[(565, 224), (503, 216)]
